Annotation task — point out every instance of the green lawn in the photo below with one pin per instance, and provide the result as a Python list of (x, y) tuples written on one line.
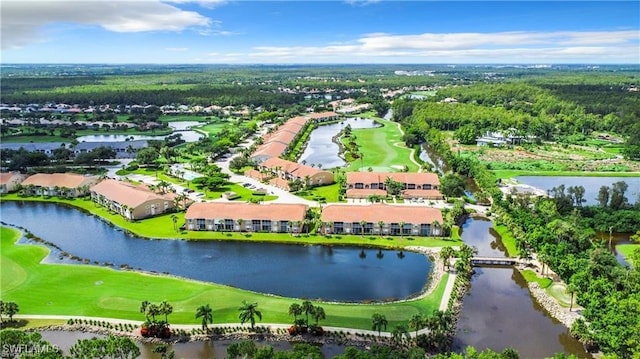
[(104, 292), (330, 193), (211, 129), (505, 174), (167, 118), (626, 250), (507, 239), (382, 148), (531, 276)]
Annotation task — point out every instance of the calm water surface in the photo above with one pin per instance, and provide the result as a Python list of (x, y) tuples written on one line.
[(499, 312), (591, 185), (332, 273), (321, 149)]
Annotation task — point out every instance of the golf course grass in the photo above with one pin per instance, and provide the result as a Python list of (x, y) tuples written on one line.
[(383, 149), (161, 227), (84, 290)]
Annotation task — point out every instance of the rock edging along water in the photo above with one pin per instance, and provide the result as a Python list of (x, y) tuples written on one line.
[(563, 315)]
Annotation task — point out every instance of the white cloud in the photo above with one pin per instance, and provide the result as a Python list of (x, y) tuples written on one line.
[(361, 2), (23, 20), (467, 47)]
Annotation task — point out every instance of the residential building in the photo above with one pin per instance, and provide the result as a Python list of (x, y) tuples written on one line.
[(291, 171), (250, 217), (59, 184), (381, 219), (9, 181), (323, 116), (423, 185), (131, 201)]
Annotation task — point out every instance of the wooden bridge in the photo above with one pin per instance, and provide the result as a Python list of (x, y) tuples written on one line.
[(496, 261)]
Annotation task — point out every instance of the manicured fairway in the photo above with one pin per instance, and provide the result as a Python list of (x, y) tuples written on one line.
[(383, 149), (84, 290)]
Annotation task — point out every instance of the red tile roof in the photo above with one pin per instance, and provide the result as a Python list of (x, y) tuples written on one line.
[(247, 211), (127, 193), (403, 177), (365, 193), (68, 180), (320, 115), (5, 177), (293, 168), (422, 193), (280, 183), (271, 149), (381, 212)]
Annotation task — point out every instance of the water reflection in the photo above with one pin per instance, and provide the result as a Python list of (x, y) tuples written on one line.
[(499, 312), (322, 150)]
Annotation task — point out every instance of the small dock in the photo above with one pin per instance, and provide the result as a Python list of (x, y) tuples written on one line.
[(495, 261)]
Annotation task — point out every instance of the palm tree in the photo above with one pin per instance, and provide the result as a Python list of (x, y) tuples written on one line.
[(445, 254), (174, 219), (435, 225), (402, 229), (166, 309), (221, 225), (143, 308), (380, 227), (307, 308), (318, 314), (362, 224), (295, 309), (399, 332), (571, 288), (205, 312), (416, 322), (152, 311), (379, 322), (240, 222), (249, 312)]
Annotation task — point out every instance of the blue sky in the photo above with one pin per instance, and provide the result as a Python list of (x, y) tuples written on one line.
[(283, 32)]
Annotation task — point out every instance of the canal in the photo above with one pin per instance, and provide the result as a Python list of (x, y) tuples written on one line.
[(499, 312)]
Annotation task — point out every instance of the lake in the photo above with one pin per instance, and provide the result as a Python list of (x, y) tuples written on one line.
[(591, 185), (332, 273), (322, 150)]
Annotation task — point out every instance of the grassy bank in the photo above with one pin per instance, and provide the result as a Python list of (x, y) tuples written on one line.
[(162, 227), (505, 174), (507, 239), (84, 290), (626, 250)]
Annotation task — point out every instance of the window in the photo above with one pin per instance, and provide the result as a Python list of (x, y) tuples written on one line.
[(359, 185), (395, 228), (356, 228), (266, 226), (426, 186), (200, 225), (338, 227), (411, 186), (255, 225), (368, 228), (229, 225), (407, 228), (284, 226)]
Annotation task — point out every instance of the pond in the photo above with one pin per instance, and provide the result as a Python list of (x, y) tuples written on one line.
[(330, 273), (322, 150), (499, 312), (591, 185), (181, 127)]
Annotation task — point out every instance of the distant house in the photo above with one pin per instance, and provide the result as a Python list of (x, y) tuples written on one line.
[(499, 139), (123, 149), (44, 147), (131, 201), (423, 185), (323, 116), (381, 219), (250, 217), (9, 181), (59, 184), (290, 171)]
